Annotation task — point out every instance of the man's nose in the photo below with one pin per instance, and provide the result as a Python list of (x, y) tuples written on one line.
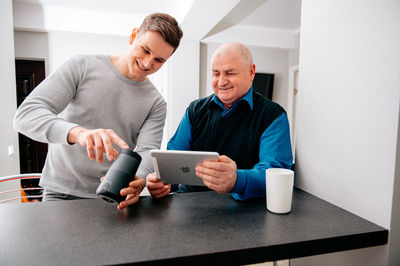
[(148, 62), (222, 81)]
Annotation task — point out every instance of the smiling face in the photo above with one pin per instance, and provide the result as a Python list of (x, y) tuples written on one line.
[(146, 55), (232, 73)]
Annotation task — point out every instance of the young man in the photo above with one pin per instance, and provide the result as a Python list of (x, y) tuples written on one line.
[(93, 101), (250, 132)]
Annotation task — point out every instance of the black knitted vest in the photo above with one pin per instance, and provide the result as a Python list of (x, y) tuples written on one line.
[(237, 136)]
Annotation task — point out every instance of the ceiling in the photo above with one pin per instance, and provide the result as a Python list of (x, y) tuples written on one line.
[(279, 14), (122, 6)]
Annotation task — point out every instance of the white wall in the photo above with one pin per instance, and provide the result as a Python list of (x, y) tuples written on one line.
[(32, 46), (394, 254), (183, 82), (255, 36), (57, 46), (348, 109), (274, 61), (267, 60), (63, 45), (294, 53), (9, 165)]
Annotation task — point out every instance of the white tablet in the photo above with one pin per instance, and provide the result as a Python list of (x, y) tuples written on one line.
[(178, 167)]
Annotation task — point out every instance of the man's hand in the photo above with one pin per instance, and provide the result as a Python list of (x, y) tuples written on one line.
[(132, 192), (219, 176), (156, 188), (97, 142)]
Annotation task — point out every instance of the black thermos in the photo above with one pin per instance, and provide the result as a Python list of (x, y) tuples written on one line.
[(120, 174)]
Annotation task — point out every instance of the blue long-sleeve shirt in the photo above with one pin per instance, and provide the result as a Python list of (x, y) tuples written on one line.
[(274, 151)]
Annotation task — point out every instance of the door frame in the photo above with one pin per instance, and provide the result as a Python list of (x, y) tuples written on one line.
[(291, 103)]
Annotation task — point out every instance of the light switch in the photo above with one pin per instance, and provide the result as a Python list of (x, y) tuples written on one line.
[(11, 150)]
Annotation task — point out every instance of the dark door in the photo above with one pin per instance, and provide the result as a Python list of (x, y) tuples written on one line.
[(32, 154), (264, 84)]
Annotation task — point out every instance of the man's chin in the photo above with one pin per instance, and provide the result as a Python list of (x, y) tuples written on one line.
[(138, 77), (226, 101), (225, 96)]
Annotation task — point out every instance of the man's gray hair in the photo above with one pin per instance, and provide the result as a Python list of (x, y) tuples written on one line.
[(245, 52)]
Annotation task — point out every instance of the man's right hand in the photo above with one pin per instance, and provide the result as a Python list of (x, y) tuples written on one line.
[(97, 142), (156, 188)]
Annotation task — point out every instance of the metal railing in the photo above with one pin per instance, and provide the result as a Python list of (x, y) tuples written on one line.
[(26, 196)]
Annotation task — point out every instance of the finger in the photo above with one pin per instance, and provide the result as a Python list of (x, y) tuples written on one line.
[(156, 192), (211, 185), (98, 145), (137, 183), (220, 166), (89, 148), (208, 178), (221, 184), (154, 185), (161, 192), (110, 151), (130, 190), (131, 196), (126, 203), (118, 141), (207, 171), (206, 162), (135, 186), (101, 179)]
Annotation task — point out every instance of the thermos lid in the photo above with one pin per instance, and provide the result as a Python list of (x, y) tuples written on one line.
[(132, 153)]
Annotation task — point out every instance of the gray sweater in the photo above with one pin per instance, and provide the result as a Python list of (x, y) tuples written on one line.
[(89, 91)]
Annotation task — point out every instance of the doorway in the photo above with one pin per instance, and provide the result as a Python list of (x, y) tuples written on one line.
[(32, 154)]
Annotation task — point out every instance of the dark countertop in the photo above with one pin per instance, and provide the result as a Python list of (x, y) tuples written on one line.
[(196, 228)]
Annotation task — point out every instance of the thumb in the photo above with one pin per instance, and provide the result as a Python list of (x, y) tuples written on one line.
[(224, 159), (152, 177)]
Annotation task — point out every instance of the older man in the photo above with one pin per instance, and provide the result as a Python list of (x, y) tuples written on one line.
[(250, 132)]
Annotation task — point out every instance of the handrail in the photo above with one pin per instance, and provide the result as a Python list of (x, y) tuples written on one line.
[(24, 197), (21, 176), (20, 189), (18, 198)]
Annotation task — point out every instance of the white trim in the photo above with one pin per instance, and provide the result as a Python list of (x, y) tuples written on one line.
[(290, 105)]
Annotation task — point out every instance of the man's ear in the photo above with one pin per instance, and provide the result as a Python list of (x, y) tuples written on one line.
[(252, 71), (133, 35)]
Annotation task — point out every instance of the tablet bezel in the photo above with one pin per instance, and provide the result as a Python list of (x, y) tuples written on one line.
[(171, 172)]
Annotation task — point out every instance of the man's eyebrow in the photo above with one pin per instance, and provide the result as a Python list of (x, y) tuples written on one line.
[(227, 70), (148, 49)]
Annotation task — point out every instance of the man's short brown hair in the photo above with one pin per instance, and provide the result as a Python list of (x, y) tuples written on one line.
[(164, 24)]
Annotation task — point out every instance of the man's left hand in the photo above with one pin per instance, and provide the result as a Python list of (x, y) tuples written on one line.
[(132, 192), (219, 176)]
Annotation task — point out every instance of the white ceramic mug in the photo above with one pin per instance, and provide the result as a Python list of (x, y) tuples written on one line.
[(279, 189)]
